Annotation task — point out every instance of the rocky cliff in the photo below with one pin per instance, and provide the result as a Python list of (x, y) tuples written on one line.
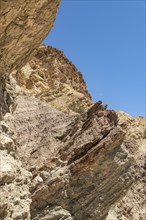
[(52, 78), (62, 156), (132, 206), (23, 26)]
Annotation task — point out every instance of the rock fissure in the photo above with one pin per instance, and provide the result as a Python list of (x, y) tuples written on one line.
[(86, 149)]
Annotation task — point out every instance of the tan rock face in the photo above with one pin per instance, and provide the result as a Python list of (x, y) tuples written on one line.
[(23, 26), (51, 77), (76, 161), (77, 158), (14, 180), (78, 166), (61, 156), (132, 206)]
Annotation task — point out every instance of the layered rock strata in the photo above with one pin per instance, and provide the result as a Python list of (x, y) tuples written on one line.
[(132, 206), (79, 168), (62, 156), (76, 162)]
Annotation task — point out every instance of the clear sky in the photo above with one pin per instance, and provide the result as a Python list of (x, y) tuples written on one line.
[(105, 40)]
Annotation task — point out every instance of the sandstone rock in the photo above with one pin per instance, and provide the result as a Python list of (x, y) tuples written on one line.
[(62, 156), (132, 206), (51, 77), (80, 155), (6, 143), (23, 26), (14, 184), (54, 213), (78, 159)]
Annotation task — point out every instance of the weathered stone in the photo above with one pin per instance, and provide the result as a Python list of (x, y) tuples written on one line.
[(132, 206), (78, 159), (23, 26), (62, 156), (5, 99), (80, 154), (51, 77), (14, 187)]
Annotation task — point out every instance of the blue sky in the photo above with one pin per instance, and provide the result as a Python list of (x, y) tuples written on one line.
[(106, 42)]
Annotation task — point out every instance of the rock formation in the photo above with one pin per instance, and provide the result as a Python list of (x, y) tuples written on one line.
[(23, 26), (73, 156), (132, 206), (61, 155), (52, 78)]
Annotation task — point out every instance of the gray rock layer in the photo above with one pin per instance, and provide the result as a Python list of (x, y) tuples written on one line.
[(77, 162)]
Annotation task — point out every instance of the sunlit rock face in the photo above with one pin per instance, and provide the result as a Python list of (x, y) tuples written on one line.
[(23, 26), (132, 206), (62, 156), (71, 146), (77, 162), (51, 77), (14, 180)]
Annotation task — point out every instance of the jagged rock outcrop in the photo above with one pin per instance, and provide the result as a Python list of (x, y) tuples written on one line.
[(62, 156), (51, 77), (15, 196), (77, 162), (23, 26), (78, 166), (132, 206)]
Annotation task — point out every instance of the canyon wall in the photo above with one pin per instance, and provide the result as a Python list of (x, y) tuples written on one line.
[(61, 155), (23, 26), (132, 206)]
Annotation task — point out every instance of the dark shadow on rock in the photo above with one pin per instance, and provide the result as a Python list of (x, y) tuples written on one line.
[(5, 99)]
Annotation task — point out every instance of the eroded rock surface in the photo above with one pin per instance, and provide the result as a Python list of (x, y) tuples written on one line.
[(132, 206), (51, 77), (23, 26), (79, 168), (62, 156), (77, 162), (15, 196)]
